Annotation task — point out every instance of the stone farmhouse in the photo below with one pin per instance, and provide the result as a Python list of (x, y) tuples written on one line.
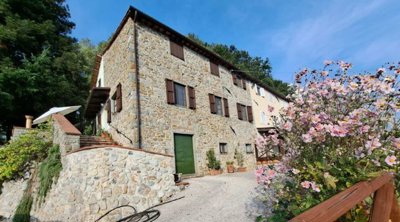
[(155, 89)]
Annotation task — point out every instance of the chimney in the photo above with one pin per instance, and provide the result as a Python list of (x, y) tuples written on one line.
[(29, 120)]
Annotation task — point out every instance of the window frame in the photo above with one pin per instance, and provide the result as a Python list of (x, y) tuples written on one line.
[(184, 97), (176, 49), (251, 148), (225, 148), (245, 116), (217, 100)]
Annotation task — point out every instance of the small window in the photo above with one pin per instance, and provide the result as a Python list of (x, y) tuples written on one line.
[(244, 112), (249, 148), (180, 94), (218, 105), (223, 148), (99, 83), (263, 118), (258, 90), (239, 81), (177, 50)]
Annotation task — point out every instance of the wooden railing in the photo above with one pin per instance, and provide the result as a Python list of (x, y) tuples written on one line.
[(385, 204)]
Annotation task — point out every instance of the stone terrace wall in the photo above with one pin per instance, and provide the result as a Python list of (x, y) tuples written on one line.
[(11, 195), (94, 181), (65, 134)]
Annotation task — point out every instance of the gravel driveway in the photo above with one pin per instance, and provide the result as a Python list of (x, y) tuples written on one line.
[(225, 197)]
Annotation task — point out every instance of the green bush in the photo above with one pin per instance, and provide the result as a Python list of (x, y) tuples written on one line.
[(16, 155), (213, 163), (239, 158), (49, 171)]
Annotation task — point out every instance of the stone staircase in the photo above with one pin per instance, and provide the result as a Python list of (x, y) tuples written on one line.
[(95, 141)]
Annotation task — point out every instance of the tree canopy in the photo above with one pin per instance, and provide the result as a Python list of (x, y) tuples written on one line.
[(41, 66), (256, 66)]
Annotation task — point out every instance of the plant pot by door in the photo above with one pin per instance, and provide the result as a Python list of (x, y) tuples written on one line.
[(230, 168)]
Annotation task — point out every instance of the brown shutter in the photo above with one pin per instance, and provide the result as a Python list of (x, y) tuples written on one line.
[(234, 78), (119, 98), (212, 103), (226, 107), (176, 50), (244, 83), (108, 111), (170, 91), (214, 68), (239, 110), (192, 98), (249, 114)]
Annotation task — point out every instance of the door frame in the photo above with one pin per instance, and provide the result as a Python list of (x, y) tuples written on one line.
[(193, 147)]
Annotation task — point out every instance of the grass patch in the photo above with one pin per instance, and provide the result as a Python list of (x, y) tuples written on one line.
[(49, 171), (22, 214)]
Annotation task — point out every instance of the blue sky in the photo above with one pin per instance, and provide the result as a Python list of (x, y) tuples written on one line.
[(293, 34)]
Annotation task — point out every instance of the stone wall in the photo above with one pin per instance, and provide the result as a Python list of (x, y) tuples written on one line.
[(94, 181), (160, 120), (18, 131), (10, 196)]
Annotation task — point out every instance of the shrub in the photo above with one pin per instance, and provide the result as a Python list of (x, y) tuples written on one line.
[(213, 163), (22, 214), (337, 130), (49, 171), (16, 155)]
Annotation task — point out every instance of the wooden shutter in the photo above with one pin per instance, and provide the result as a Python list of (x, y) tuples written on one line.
[(192, 98), (244, 83), (214, 68), (249, 114), (108, 107), (119, 98), (170, 91), (176, 50), (212, 103), (234, 78), (226, 107), (239, 110)]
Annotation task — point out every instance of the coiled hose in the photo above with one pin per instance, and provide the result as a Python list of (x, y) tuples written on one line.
[(147, 215)]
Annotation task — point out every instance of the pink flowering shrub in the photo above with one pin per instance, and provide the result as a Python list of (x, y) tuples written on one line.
[(337, 130)]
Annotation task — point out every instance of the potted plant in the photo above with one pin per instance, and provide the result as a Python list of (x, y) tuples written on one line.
[(229, 167), (239, 159), (214, 165)]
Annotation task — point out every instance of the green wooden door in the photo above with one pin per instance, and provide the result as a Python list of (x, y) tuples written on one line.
[(184, 160)]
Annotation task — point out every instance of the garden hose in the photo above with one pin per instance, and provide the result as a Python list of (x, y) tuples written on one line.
[(147, 215)]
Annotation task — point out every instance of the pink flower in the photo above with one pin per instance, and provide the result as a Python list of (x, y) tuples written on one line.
[(396, 142), (372, 144), (365, 129), (319, 127), (391, 160), (306, 138), (338, 131), (315, 187), (295, 171), (271, 173), (315, 119), (306, 184), (287, 126), (270, 108)]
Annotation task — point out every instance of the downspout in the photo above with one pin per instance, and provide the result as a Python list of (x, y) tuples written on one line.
[(139, 119)]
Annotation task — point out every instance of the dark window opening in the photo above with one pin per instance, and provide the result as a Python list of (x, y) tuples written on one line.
[(180, 94), (223, 148)]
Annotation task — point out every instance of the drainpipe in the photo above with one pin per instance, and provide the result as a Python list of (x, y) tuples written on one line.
[(139, 119)]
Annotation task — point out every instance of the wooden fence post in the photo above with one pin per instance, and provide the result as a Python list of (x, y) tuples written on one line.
[(382, 205)]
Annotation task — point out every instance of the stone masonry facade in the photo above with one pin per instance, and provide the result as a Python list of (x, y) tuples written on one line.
[(159, 120)]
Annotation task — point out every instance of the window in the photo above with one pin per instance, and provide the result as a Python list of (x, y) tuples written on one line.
[(176, 94), (249, 148), (214, 68), (263, 118), (244, 112), (177, 50), (99, 83), (258, 90), (117, 99), (218, 105), (223, 148), (180, 94), (262, 92)]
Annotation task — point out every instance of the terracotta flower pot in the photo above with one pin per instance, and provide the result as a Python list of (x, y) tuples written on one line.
[(230, 168), (241, 169), (214, 172)]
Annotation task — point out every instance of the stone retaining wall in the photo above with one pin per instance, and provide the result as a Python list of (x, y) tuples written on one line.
[(11, 195), (94, 181), (65, 134)]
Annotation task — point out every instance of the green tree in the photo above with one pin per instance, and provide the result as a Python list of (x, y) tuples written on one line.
[(41, 66), (257, 67)]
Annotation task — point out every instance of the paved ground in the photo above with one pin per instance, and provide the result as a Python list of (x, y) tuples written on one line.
[(219, 198)]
